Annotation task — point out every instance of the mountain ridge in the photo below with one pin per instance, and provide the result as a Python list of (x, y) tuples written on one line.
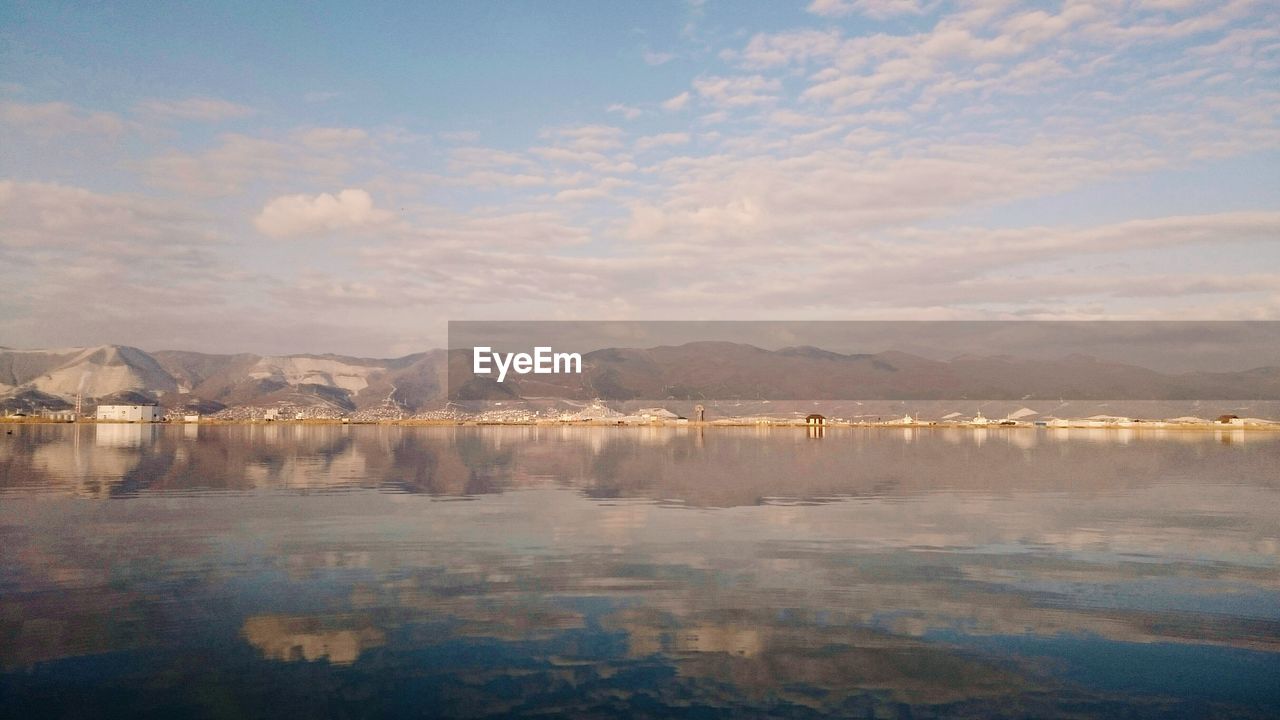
[(206, 382)]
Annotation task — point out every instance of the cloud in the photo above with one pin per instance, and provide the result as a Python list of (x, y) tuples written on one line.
[(657, 58), (676, 103), (460, 136), (51, 215), (587, 138), (471, 157), (201, 109), (331, 138), (984, 50), (826, 184), (295, 215), (54, 119), (134, 255), (766, 50), (319, 96), (737, 91), (626, 111), (238, 160), (598, 147), (858, 169), (491, 179), (878, 9), (650, 142), (602, 189)]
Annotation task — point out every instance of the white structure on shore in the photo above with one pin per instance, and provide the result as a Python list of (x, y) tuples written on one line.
[(130, 413)]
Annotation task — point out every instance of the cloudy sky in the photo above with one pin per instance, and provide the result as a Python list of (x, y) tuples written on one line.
[(309, 177)]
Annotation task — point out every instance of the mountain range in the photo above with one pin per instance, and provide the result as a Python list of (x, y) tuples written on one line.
[(201, 382)]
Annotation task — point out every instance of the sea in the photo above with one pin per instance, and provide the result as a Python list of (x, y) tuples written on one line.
[(294, 570)]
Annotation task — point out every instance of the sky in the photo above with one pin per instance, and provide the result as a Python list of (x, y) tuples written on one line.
[(348, 177)]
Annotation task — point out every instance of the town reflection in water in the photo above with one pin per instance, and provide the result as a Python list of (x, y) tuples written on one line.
[(317, 570)]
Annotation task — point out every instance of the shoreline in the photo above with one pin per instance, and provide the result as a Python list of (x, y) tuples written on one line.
[(1138, 425)]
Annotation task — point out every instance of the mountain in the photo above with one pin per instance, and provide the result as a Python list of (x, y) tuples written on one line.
[(345, 383), (35, 379), (729, 371), (93, 372)]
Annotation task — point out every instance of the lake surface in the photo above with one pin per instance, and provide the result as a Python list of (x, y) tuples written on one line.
[(318, 571)]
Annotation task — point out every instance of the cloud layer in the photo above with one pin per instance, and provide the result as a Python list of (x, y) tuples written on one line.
[(865, 159)]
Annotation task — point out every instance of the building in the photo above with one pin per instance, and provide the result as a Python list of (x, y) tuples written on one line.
[(815, 419), (130, 413)]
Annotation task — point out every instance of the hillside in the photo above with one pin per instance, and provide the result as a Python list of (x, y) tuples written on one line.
[(34, 379), (31, 379)]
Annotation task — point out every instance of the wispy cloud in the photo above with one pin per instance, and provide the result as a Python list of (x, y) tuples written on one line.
[(320, 96), (737, 91), (657, 58), (53, 119), (201, 109), (871, 8), (627, 111), (650, 142), (676, 102)]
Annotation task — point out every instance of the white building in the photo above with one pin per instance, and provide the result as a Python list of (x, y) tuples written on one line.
[(130, 413)]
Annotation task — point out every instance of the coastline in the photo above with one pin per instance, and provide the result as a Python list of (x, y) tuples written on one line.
[(1136, 425)]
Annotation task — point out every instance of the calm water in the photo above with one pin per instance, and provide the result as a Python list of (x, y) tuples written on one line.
[(377, 571)]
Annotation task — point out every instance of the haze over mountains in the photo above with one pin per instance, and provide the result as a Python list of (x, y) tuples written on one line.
[(36, 379)]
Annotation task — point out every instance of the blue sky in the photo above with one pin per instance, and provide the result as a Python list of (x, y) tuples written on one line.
[(278, 177)]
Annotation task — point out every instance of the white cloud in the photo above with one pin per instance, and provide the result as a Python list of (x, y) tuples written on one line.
[(239, 160), (650, 142), (294, 215), (657, 58), (460, 136), (331, 138), (55, 119), (587, 138), (47, 215), (135, 256), (878, 9), (676, 103), (556, 154), (469, 157), (627, 111), (600, 190), (737, 91), (767, 50), (491, 179), (202, 109)]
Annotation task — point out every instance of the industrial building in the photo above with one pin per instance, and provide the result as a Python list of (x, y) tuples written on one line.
[(130, 413)]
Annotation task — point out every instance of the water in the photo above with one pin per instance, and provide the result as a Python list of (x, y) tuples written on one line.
[(310, 571)]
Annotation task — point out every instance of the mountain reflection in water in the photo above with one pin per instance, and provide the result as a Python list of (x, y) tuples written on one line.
[(295, 570)]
